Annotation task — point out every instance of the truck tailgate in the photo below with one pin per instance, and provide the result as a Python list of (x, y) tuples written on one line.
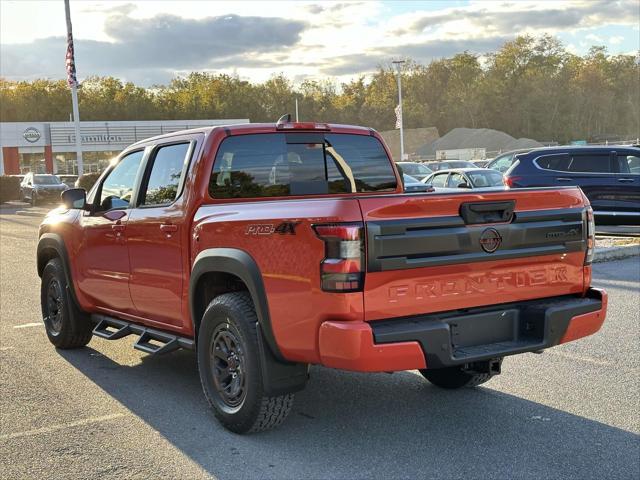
[(433, 252)]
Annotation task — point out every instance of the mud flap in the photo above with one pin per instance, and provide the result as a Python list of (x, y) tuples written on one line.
[(279, 378)]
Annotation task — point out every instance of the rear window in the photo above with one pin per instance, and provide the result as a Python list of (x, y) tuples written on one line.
[(502, 163), (284, 164), (46, 180), (486, 179)]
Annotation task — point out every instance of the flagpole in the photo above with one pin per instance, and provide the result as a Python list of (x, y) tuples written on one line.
[(74, 92), (398, 64)]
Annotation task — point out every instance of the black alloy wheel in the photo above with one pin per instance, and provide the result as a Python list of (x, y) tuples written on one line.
[(54, 306), (66, 325), (227, 359), (230, 368)]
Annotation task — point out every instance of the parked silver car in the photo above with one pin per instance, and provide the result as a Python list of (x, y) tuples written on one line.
[(471, 178)]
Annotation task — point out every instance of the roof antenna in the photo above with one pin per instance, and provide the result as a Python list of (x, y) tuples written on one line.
[(286, 118)]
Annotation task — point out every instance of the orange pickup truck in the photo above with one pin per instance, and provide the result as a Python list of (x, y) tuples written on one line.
[(269, 247)]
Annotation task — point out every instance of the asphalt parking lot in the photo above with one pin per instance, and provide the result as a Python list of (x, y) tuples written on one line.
[(109, 411)]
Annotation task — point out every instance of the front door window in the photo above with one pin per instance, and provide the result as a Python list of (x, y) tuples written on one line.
[(117, 188)]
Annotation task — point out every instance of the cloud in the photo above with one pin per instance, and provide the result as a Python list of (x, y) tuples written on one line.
[(308, 40), (150, 50), (125, 9), (422, 52), (592, 37), (510, 17), (335, 7)]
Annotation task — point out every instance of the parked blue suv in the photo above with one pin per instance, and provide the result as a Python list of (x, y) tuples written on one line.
[(609, 176)]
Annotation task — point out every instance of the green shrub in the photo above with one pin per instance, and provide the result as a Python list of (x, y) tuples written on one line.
[(87, 180), (9, 188)]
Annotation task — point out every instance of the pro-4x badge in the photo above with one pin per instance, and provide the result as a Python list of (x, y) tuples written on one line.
[(284, 228)]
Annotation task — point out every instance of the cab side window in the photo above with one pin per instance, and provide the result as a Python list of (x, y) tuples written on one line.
[(455, 179), (165, 179), (559, 162), (117, 188), (590, 163), (439, 180)]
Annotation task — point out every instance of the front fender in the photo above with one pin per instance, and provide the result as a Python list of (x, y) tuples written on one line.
[(52, 245)]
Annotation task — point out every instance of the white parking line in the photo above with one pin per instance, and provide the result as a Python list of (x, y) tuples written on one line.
[(28, 325), (53, 428), (580, 358)]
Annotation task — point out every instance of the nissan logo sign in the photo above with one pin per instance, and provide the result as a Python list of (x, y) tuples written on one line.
[(490, 240), (31, 135)]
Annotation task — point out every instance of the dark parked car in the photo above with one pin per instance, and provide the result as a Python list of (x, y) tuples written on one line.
[(413, 185), (37, 188), (466, 178), (503, 162), (419, 171), (451, 164), (608, 175)]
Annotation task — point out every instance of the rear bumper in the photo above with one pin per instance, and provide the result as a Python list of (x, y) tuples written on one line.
[(460, 337)]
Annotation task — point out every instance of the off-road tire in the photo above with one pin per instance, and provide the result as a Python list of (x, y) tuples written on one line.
[(233, 314), (72, 327), (454, 377)]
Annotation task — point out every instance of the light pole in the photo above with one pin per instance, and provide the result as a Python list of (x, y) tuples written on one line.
[(398, 64)]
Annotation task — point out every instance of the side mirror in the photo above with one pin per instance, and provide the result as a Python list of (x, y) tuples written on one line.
[(464, 185), (74, 198)]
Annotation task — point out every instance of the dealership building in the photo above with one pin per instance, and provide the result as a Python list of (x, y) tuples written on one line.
[(43, 147)]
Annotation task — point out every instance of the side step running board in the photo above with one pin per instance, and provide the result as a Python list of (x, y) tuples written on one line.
[(151, 340)]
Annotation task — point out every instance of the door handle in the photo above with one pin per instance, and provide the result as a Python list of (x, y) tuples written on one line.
[(563, 179), (118, 227), (626, 180), (168, 227)]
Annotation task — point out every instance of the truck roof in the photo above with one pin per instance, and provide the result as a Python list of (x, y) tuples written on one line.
[(247, 128)]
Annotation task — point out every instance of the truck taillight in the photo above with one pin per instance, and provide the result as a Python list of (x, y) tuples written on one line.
[(342, 269), (510, 181), (302, 126), (590, 228)]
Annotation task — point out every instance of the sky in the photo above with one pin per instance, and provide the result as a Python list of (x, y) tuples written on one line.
[(150, 42)]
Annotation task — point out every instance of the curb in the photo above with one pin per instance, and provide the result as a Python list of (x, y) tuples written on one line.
[(616, 253)]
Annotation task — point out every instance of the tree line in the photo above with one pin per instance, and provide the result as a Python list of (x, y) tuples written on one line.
[(531, 87)]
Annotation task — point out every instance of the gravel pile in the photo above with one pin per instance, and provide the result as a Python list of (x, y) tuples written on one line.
[(491, 140)]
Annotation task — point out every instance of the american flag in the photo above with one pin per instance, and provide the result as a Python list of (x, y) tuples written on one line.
[(71, 63), (398, 111)]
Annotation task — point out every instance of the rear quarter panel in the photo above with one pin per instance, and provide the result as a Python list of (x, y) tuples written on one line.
[(289, 263)]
